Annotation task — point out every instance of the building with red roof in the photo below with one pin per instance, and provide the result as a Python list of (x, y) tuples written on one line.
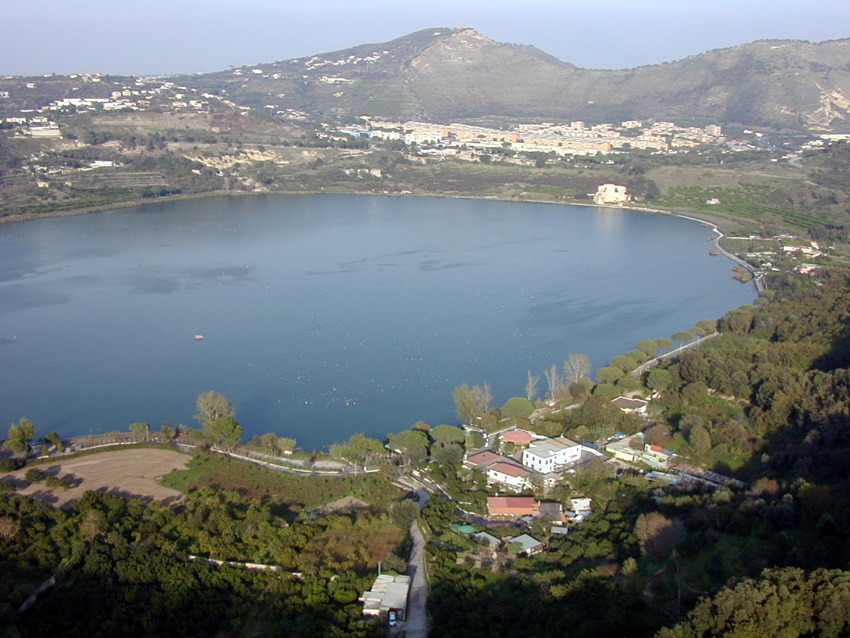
[(512, 474), (517, 437), (513, 506)]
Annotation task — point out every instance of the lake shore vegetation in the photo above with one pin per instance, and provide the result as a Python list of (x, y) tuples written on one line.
[(764, 403)]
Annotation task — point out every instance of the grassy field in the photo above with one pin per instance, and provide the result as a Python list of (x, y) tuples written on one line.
[(295, 493)]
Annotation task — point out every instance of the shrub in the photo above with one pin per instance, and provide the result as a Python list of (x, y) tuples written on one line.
[(10, 464), (607, 390), (517, 407), (56, 482), (581, 387), (34, 475)]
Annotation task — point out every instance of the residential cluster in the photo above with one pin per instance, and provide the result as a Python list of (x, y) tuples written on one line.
[(538, 460), (767, 253), (574, 138), (526, 460), (143, 94), (34, 126)]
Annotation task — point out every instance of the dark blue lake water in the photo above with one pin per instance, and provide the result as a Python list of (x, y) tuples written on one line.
[(327, 315)]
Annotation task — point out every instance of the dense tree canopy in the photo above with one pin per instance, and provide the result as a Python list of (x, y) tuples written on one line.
[(127, 563), (782, 602)]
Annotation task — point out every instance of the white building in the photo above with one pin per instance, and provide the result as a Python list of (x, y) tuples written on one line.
[(509, 474), (551, 454), (388, 593), (611, 194), (581, 509)]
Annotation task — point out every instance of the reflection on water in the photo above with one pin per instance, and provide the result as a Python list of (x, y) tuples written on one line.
[(98, 313)]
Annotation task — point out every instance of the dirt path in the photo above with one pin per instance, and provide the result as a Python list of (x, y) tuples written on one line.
[(133, 472)]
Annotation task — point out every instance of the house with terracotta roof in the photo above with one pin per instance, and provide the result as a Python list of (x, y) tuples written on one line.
[(520, 438), (657, 456), (512, 474), (636, 449), (484, 459), (513, 506), (499, 469)]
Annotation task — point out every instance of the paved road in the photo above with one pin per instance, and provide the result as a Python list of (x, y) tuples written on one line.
[(417, 615)]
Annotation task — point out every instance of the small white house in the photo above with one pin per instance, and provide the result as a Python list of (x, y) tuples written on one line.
[(509, 474)]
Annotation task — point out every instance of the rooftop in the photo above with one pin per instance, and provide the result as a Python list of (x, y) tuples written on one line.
[(388, 592), (526, 542), (483, 458), (629, 404), (513, 502), (517, 436), (489, 539), (550, 447), (510, 469)]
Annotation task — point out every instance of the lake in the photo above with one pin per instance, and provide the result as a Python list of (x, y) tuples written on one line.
[(326, 315)]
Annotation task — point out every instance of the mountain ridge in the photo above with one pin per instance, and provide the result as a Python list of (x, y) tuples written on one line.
[(443, 74)]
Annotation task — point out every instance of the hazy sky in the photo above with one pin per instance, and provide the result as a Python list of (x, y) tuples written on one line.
[(142, 37)]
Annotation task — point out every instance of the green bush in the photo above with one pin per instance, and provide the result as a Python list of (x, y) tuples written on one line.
[(607, 390), (10, 464), (55, 482), (517, 407), (34, 475), (581, 387)]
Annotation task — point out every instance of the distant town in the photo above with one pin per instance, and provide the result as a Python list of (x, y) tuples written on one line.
[(573, 138)]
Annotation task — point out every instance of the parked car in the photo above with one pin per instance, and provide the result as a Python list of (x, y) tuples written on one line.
[(393, 619)]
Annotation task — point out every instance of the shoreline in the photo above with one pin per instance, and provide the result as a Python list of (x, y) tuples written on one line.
[(107, 208), (645, 209)]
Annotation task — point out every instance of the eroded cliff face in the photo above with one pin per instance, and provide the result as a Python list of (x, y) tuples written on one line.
[(834, 110)]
